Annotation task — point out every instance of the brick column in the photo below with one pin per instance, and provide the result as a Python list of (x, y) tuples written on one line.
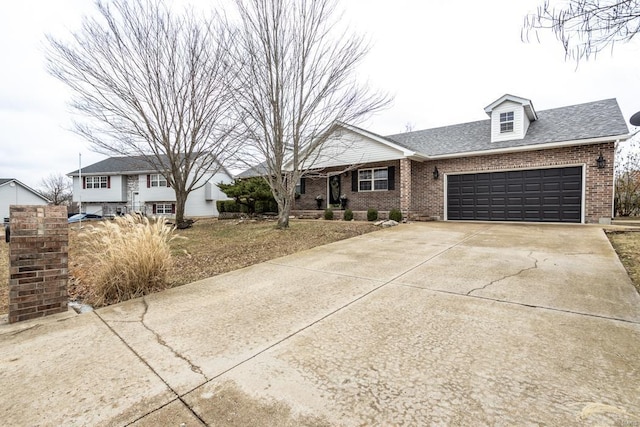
[(38, 261), (405, 187)]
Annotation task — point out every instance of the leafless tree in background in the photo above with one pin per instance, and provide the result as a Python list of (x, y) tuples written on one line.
[(57, 188), (586, 27), (293, 80), (149, 81), (627, 178)]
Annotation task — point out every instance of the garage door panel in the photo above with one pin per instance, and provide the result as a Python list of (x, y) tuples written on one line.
[(548, 195)]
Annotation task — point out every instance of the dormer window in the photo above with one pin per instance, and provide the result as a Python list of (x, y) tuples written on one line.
[(506, 122)]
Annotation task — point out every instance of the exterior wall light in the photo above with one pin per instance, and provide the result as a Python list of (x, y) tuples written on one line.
[(601, 162), (436, 173)]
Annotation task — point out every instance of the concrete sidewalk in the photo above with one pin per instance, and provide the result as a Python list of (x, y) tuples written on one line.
[(427, 323)]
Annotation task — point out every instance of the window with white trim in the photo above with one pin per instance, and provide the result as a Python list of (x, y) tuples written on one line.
[(157, 180), (164, 208), (96, 182), (373, 179), (506, 122)]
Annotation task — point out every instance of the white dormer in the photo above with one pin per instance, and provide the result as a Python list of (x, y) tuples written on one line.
[(510, 117)]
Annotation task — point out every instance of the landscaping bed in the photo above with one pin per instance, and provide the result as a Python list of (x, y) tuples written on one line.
[(213, 247)]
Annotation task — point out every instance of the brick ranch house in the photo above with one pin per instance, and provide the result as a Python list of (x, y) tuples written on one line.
[(519, 165)]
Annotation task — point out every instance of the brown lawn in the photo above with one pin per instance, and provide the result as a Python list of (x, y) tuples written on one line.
[(627, 245), (213, 247)]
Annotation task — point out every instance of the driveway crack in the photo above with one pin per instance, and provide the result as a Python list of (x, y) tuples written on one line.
[(493, 282), (163, 343)]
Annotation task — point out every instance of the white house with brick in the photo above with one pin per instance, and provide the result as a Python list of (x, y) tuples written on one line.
[(14, 192), (120, 185), (520, 164)]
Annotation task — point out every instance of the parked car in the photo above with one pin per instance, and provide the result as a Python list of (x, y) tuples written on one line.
[(84, 217)]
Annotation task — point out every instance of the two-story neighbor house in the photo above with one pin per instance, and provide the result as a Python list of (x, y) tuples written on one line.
[(120, 185), (518, 165)]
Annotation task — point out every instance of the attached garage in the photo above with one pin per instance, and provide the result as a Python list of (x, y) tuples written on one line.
[(537, 195)]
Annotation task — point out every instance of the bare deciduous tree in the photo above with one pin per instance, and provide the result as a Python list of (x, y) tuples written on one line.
[(150, 81), (627, 178), (293, 80), (586, 27), (57, 188)]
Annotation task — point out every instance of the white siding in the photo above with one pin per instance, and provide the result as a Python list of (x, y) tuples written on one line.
[(16, 195), (519, 119), (92, 208), (197, 205), (120, 192), (116, 193), (348, 148), (153, 194)]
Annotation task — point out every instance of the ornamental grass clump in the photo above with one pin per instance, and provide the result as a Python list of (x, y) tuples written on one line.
[(125, 258)]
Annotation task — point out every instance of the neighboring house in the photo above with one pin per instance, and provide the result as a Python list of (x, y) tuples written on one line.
[(519, 165), (13, 192), (119, 185)]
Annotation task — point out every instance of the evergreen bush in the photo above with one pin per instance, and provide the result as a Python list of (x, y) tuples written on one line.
[(372, 214), (395, 215), (328, 214), (348, 215)]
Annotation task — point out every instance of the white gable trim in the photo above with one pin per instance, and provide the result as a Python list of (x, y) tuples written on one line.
[(402, 152), (405, 151), (526, 104), (26, 187)]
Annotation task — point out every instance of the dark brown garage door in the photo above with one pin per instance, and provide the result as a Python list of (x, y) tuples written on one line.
[(549, 195)]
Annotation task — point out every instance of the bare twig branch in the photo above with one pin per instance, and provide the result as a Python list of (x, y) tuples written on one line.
[(149, 81), (293, 81), (586, 27)]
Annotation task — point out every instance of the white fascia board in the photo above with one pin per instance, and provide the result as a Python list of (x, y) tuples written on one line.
[(546, 146), (526, 104), (405, 152)]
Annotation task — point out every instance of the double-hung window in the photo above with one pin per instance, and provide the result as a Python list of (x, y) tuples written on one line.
[(506, 122), (157, 180), (96, 182), (373, 179), (163, 208)]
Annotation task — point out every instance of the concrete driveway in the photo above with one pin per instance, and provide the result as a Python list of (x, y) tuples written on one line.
[(421, 324)]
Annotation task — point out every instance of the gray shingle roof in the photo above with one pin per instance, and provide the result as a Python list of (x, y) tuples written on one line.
[(117, 165), (258, 170), (130, 165), (583, 121)]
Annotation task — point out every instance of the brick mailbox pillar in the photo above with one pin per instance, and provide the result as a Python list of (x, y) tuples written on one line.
[(38, 261)]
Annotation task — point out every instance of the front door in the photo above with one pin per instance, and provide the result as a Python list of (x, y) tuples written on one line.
[(334, 190)]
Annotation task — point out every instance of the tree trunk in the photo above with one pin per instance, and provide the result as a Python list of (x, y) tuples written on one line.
[(284, 210), (181, 201)]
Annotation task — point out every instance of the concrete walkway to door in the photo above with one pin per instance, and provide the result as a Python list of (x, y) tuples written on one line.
[(422, 324)]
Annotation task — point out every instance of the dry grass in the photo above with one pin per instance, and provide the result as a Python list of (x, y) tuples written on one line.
[(213, 247), (627, 245), (121, 259)]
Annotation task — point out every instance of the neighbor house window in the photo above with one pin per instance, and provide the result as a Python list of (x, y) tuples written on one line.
[(373, 179), (96, 182), (157, 180), (163, 208), (506, 122)]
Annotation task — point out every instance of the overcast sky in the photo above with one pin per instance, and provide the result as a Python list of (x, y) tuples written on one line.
[(442, 61)]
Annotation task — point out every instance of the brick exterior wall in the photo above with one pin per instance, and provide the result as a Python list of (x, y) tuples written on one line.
[(356, 201), (420, 196), (427, 194), (38, 261)]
